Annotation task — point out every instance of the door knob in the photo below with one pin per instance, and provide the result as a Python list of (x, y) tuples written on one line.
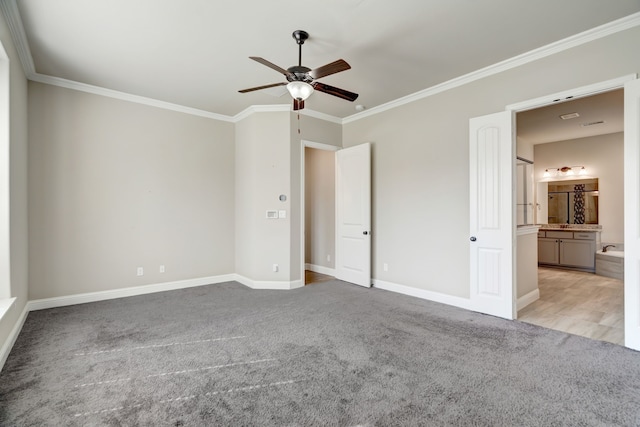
[(473, 238), (365, 232)]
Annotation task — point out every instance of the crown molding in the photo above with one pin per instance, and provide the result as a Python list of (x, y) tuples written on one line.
[(97, 90), (593, 34), (275, 108), (11, 14)]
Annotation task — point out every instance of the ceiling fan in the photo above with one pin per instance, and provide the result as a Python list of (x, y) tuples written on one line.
[(301, 81)]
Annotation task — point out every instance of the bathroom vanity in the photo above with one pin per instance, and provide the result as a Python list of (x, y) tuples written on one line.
[(569, 247)]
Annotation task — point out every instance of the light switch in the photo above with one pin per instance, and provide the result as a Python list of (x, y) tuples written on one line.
[(272, 214), (282, 214)]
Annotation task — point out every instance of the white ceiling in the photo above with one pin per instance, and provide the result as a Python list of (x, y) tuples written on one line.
[(544, 125), (194, 53)]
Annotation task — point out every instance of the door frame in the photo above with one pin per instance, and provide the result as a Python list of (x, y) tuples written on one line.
[(567, 95), (318, 146)]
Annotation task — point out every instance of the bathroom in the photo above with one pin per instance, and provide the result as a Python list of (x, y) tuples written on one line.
[(570, 183)]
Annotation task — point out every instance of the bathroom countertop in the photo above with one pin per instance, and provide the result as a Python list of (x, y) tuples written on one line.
[(571, 227)]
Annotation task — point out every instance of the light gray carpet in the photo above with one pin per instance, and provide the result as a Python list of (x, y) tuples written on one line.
[(327, 354)]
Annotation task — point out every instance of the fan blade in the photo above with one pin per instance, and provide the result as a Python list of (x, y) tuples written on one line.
[(262, 87), (326, 70), (270, 65), (298, 104), (335, 91)]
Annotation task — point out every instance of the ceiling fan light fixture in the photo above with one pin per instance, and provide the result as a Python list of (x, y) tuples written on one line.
[(300, 90)]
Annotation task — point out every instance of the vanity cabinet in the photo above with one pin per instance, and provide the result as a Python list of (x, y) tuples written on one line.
[(572, 249)]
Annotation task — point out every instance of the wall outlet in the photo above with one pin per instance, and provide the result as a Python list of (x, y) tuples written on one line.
[(385, 266), (328, 258), (140, 271), (162, 269), (275, 267)]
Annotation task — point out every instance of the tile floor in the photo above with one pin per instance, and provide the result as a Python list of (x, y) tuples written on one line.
[(578, 303)]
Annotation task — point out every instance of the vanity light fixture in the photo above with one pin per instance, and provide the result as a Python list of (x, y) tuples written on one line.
[(564, 171)]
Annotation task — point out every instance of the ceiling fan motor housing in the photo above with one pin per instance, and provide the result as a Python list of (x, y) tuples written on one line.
[(299, 73)]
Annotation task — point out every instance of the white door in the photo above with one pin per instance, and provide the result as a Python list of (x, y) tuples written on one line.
[(353, 215), (632, 214), (491, 214)]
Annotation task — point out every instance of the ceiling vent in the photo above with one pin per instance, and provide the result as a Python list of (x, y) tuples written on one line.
[(569, 116), (584, 125)]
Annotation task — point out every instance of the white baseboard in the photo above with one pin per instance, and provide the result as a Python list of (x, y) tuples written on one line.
[(13, 336), (41, 304), (527, 299), (320, 269), (264, 284), (423, 294)]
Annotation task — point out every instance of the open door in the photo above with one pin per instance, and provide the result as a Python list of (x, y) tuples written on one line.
[(353, 215), (632, 214), (491, 214)]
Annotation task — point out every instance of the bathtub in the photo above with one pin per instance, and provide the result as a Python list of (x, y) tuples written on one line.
[(610, 264), (611, 253)]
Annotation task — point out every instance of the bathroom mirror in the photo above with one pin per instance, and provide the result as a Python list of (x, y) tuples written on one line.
[(573, 202)]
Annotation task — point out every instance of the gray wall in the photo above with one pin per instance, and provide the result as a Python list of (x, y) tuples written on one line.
[(320, 207), (115, 185), (421, 160), (263, 168), (18, 226)]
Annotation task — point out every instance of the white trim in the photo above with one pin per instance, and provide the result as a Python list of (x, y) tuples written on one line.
[(13, 336), (572, 94), (527, 299), (319, 145), (423, 294), (41, 304), (97, 90), (264, 284), (279, 108), (320, 269), (596, 33), (6, 305), (5, 174), (11, 13), (304, 143)]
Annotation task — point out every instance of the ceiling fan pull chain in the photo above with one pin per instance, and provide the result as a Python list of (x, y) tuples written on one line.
[(298, 123)]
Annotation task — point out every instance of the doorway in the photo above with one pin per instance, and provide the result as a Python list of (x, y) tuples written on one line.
[(318, 209), (569, 142)]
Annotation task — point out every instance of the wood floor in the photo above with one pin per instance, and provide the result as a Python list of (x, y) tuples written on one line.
[(578, 303), (311, 277)]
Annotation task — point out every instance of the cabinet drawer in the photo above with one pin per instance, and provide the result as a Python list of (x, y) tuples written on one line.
[(584, 236), (542, 234), (559, 234)]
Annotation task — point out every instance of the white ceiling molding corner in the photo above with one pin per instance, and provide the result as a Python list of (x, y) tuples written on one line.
[(11, 13), (276, 108), (596, 33)]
